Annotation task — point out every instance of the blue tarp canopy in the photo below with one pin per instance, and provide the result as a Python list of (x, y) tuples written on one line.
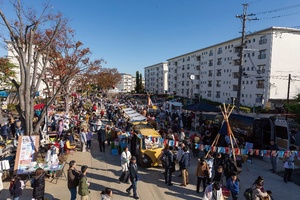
[(4, 94), (202, 107)]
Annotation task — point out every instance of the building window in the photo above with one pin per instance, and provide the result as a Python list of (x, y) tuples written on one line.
[(198, 58), (261, 69), (218, 94), (236, 62), (218, 83), (210, 73), (260, 84), (182, 83), (208, 93), (219, 72), (209, 84), (210, 63), (262, 54), (211, 53), (263, 40), (182, 67), (220, 50), (219, 62)]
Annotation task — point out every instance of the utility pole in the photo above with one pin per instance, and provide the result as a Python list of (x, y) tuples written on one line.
[(288, 96), (244, 17)]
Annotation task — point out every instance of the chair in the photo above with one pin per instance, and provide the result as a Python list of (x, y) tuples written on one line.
[(70, 148)]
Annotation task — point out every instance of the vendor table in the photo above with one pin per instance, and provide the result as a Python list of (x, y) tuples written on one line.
[(46, 167)]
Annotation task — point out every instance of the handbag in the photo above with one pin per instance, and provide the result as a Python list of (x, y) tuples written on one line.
[(124, 177)]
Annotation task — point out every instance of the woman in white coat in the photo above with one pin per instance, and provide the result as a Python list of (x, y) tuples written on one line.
[(125, 159), (213, 192)]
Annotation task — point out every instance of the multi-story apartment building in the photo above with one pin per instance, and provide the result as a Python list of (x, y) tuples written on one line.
[(269, 56), (156, 78), (127, 83)]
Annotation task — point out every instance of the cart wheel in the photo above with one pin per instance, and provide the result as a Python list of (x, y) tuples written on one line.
[(145, 161)]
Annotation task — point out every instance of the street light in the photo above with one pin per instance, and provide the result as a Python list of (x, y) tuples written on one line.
[(192, 78)]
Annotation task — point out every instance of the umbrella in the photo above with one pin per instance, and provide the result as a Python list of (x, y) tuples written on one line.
[(201, 107), (39, 106)]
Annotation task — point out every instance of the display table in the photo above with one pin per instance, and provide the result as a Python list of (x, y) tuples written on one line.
[(29, 170)]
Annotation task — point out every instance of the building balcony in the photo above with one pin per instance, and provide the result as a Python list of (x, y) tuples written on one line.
[(262, 56), (262, 41)]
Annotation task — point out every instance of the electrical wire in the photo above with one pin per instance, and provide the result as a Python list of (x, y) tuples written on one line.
[(278, 16), (278, 9)]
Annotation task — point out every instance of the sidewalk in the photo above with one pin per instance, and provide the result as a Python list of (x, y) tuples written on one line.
[(105, 170)]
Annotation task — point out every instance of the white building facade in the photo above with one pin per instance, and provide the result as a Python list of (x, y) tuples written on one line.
[(127, 83), (156, 78), (269, 56)]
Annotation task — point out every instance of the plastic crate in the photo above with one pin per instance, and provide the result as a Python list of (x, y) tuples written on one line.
[(114, 152)]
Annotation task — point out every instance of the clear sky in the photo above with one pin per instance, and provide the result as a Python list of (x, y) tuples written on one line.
[(133, 34)]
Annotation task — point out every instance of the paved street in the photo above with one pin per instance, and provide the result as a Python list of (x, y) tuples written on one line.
[(105, 170)]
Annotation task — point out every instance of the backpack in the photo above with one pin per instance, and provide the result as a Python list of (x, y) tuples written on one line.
[(248, 194), (164, 159)]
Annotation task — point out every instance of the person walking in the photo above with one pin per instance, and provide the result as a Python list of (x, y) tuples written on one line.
[(102, 138), (38, 184), (89, 137), (213, 192), (125, 160), (289, 164), (202, 173), (16, 189), (274, 156), (232, 185), (83, 140), (73, 179), (184, 164), (83, 189), (134, 177), (169, 166)]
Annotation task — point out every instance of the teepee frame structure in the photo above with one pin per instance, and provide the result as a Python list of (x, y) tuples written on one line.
[(226, 112)]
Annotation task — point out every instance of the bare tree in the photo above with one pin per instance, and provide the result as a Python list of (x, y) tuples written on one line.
[(30, 38)]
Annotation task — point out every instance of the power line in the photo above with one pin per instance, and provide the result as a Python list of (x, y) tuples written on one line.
[(279, 16), (278, 9)]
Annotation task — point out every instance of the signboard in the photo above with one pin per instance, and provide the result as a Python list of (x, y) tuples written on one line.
[(26, 152)]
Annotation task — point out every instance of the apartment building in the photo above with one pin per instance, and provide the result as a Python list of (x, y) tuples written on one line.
[(269, 56), (156, 78), (127, 83)]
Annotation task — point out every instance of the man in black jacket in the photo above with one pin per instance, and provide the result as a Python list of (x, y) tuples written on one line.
[(169, 166), (134, 177)]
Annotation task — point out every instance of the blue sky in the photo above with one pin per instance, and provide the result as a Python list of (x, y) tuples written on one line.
[(133, 34)]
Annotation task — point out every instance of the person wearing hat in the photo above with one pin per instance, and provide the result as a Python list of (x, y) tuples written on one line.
[(257, 193), (83, 189), (134, 177)]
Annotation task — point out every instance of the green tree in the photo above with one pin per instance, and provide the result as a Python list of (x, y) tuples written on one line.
[(137, 81), (141, 86), (294, 108)]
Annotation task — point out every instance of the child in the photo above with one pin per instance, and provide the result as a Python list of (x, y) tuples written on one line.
[(233, 186), (61, 146)]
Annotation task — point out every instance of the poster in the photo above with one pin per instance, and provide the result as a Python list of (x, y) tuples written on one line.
[(26, 152)]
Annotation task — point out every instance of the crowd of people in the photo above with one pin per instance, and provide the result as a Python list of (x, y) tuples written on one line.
[(217, 173)]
